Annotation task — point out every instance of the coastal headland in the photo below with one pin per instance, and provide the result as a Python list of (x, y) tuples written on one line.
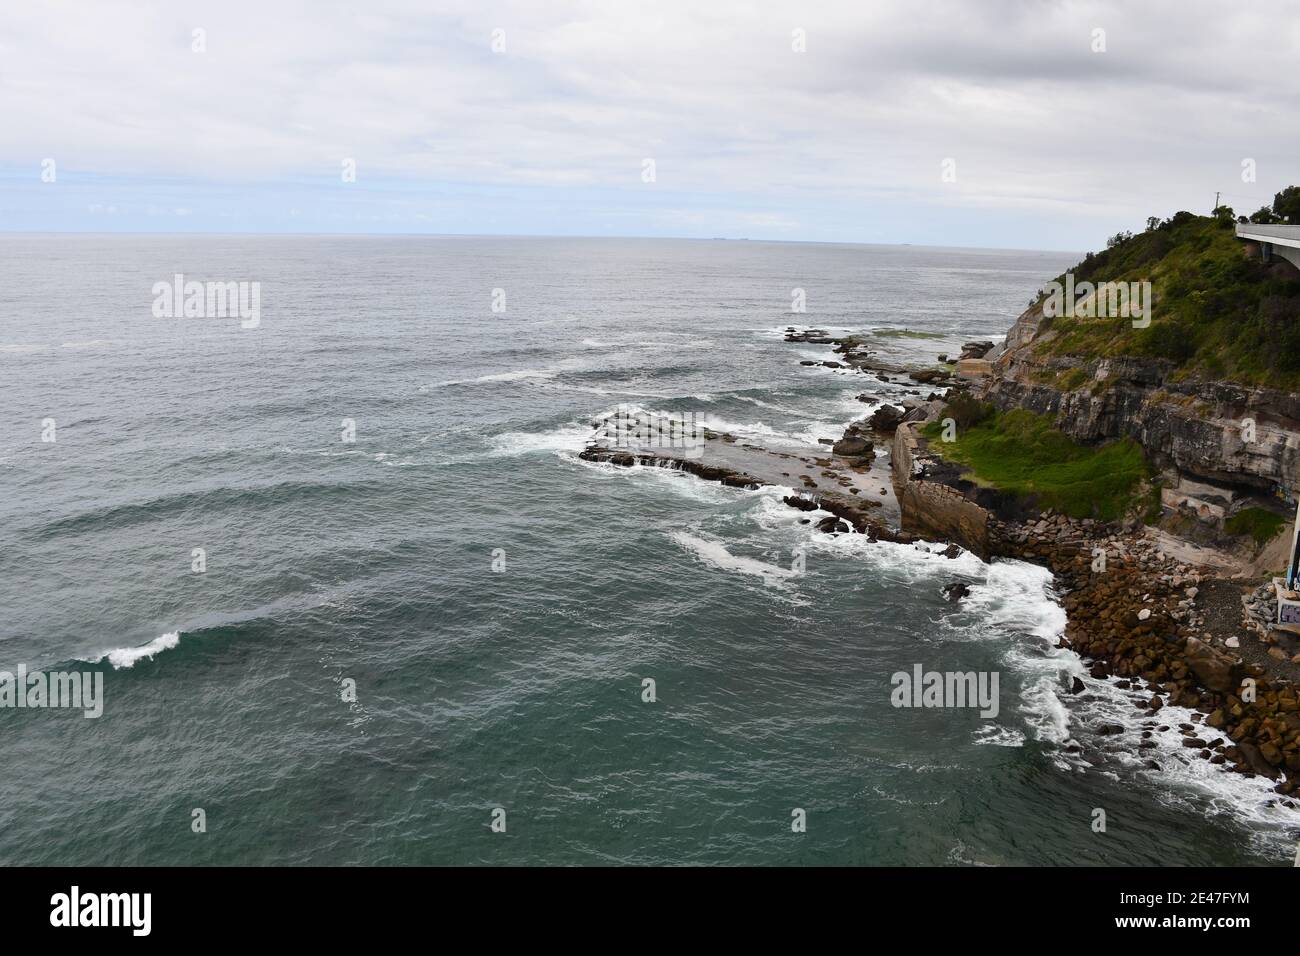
[(1156, 547)]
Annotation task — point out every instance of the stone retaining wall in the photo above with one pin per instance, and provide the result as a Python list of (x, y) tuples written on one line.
[(930, 508)]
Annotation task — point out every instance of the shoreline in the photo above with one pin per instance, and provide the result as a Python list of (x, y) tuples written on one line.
[(1136, 622)]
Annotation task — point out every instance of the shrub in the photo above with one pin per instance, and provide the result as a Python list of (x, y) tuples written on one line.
[(1169, 339), (967, 411)]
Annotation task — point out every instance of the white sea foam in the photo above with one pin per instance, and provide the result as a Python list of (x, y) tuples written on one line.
[(122, 657), (797, 413), (763, 433), (556, 386), (1014, 605), (1016, 596), (635, 344), (918, 565), (715, 554), (572, 437), (996, 735), (514, 376), (567, 439)]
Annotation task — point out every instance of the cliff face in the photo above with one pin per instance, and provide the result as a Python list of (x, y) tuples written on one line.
[(1219, 433)]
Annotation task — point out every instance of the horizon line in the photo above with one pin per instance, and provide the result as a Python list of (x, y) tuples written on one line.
[(522, 235)]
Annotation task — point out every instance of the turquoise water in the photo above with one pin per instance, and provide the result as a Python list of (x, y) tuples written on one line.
[(372, 562)]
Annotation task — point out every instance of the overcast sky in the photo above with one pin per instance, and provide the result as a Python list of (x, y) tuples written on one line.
[(1055, 146)]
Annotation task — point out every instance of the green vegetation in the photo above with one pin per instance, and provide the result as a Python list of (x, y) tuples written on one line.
[(1260, 523), (1020, 453), (1074, 378), (1286, 209), (1218, 312), (905, 334), (967, 411)]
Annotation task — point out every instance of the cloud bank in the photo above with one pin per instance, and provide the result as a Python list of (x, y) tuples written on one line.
[(767, 120)]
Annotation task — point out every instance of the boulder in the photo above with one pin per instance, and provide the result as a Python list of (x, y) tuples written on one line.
[(975, 350), (853, 445), (886, 418), (1254, 760), (832, 525), (1216, 671)]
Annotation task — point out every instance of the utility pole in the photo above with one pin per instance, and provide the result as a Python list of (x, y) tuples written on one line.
[(1216, 200)]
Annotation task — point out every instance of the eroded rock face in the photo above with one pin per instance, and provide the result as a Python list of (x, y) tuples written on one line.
[(1214, 431)]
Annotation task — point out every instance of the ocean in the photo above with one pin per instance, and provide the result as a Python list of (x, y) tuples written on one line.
[(430, 644)]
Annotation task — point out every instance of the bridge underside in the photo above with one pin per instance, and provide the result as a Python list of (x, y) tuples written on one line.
[(1291, 254), (1281, 241)]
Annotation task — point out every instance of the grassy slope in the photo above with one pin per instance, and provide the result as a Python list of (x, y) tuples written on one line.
[(1020, 452), (1218, 313)]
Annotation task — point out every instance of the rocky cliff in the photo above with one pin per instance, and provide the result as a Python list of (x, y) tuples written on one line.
[(1215, 439)]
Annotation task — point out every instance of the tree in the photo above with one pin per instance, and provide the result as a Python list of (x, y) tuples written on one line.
[(1286, 205), (1153, 223), (1262, 216)]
